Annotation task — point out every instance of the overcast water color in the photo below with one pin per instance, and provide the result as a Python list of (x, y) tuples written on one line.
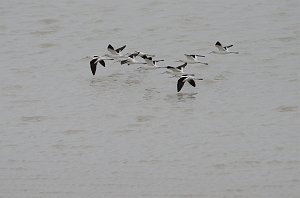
[(126, 132)]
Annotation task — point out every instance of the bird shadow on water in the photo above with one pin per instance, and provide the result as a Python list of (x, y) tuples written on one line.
[(181, 97)]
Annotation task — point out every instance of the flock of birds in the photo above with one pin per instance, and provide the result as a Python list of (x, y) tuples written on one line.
[(177, 71)]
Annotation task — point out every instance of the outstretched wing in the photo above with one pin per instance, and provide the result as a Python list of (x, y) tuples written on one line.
[(180, 83), (219, 46), (120, 49), (192, 82), (102, 62), (111, 49), (93, 64), (228, 46), (181, 66)]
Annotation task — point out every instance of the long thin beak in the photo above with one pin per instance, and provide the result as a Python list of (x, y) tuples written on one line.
[(204, 63)]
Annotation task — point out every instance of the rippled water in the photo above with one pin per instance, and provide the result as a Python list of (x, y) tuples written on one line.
[(126, 132)]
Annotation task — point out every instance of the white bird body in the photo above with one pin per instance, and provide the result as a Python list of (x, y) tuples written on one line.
[(192, 59)]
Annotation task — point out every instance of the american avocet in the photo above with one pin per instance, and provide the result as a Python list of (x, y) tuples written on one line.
[(141, 54), (192, 59), (115, 53), (131, 59), (150, 61), (97, 59), (222, 50), (190, 78), (177, 70)]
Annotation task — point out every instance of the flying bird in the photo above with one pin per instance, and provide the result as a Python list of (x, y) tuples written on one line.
[(95, 60), (115, 53), (131, 59), (186, 78), (141, 54), (177, 70), (192, 59), (223, 49), (150, 61)]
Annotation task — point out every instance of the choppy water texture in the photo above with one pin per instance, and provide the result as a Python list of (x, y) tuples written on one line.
[(126, 132)]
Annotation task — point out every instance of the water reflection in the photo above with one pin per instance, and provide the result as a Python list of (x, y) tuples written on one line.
[(183, 97)]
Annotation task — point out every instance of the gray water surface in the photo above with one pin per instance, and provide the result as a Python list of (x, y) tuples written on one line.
[(126, 132)]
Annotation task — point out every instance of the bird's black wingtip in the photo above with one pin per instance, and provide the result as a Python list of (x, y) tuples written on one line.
[(93, 69), (102, 63), (180, 83), (218, 43), (110, 46)]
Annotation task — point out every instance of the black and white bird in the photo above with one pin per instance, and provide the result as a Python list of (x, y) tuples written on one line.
[(95, 60), (150, 62), (192, 59), (131, 59), (141, 54), (176, 71), (190, 78), (223, 49), (115, 53)]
